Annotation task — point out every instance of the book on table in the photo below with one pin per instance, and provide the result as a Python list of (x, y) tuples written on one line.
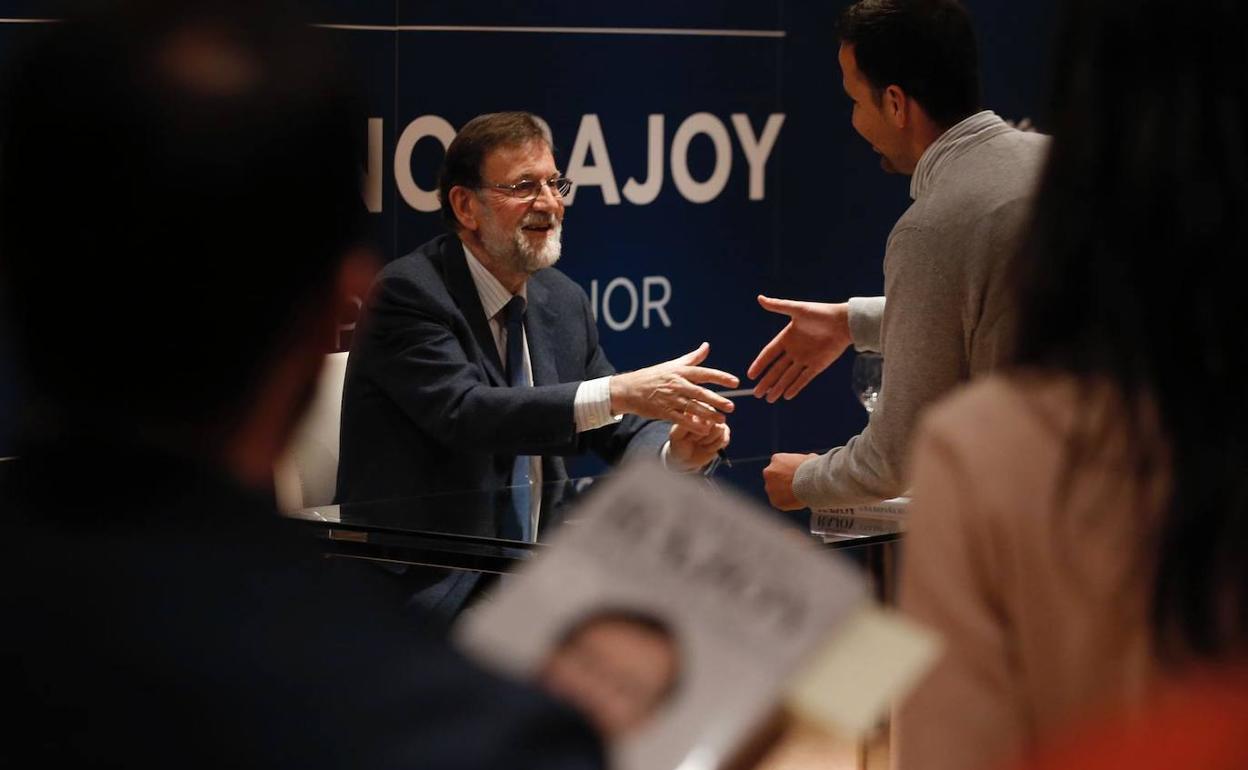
[(887, 517)]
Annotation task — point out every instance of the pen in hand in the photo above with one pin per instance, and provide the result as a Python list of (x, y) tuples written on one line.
[(742, 393)]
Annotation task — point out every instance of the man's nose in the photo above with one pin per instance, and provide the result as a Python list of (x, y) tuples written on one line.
[(547, 199)]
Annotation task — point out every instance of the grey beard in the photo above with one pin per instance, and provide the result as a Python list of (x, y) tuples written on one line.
[(517, 253)]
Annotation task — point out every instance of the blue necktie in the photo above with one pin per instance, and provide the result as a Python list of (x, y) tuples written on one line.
[(520, 526)]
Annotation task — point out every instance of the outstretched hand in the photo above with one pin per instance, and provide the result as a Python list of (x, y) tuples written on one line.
[(671, 391), (816, 335)]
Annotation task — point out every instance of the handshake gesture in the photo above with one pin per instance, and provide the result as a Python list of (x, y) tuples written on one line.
[(816, 335), (673, 391)]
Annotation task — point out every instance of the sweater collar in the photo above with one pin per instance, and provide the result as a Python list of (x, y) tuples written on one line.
[(950, 145)]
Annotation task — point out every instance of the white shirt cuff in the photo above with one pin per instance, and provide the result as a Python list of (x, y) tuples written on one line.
[(672, 463), (592, 406)]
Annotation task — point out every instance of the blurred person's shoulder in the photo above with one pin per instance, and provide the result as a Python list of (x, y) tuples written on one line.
[(1011, 433), (1006, 405)]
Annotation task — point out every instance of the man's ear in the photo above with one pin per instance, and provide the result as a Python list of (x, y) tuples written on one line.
[(896, 107), (463, 204)]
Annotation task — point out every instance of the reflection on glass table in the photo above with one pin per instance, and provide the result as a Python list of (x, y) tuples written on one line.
[(462, 530)]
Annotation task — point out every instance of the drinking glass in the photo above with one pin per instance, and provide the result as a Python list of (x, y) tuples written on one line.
[(868, 373)]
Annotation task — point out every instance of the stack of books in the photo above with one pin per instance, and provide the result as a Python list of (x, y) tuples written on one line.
[(837, 524)]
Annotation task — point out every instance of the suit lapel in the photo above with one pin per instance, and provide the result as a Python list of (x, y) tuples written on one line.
[(540, 325), (464, 291)]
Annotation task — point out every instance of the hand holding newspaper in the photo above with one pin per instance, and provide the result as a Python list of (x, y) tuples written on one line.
[(675, 617)]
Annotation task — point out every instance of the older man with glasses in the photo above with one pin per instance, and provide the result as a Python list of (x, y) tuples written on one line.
[(477, 366)]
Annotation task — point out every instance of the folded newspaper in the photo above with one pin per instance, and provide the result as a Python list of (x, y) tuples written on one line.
[(676, 616), (883, 518)]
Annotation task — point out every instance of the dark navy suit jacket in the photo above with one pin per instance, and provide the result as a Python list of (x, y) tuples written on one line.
[(426, 408)]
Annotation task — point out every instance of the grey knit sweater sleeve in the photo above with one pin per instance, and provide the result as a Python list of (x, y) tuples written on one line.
[(949, 312), (922, 332), (866, 314)]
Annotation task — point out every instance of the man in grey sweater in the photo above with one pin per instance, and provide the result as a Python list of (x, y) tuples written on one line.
[(911, 69)]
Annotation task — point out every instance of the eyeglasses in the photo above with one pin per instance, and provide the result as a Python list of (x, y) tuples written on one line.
[(528, 189)]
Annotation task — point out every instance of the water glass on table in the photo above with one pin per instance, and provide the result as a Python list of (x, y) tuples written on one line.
[(867, 376)]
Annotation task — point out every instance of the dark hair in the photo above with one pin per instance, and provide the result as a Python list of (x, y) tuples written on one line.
[(478, 137), (924, 47), (179, 183), (1132, 275)]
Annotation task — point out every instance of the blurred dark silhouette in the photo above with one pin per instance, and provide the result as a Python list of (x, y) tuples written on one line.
[(179, 227), (1078, 524), (1133, 276)]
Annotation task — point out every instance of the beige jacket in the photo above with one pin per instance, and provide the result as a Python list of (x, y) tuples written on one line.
[(1040, 587)]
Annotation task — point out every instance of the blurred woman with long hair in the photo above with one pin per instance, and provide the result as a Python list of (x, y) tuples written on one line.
[(1078, 521)]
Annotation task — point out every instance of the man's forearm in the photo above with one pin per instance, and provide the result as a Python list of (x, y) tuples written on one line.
[(855, 474)]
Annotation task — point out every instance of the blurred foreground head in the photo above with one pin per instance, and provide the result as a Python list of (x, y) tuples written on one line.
[(1133, 276), (178, 197)]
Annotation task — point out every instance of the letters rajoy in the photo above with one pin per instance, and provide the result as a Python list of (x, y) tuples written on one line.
[(589, 162)]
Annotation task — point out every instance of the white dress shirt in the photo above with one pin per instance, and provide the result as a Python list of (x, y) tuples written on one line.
[(591, 407)]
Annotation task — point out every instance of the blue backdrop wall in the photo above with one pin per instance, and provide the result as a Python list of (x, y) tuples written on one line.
[(712, 151)]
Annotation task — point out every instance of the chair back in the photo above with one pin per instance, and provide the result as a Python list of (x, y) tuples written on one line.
[(307, 475)]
